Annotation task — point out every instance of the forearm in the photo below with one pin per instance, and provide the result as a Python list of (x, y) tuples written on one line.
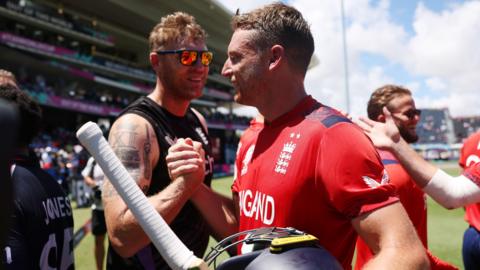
[(89, 181), (418, 168), (217, 210), (389, 258), (452, 192), (125, 233)]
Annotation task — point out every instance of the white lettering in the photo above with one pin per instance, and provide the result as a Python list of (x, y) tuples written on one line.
[(51, 209), (56, 208), (46, 213), (259, 206), (63, 255), (61, 206), (270, 202), (247, 195), (67, 254), (8, 255), (51, 244)]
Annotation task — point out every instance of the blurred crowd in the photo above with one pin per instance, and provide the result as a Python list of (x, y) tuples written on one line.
[(437, 126), (63, 158)]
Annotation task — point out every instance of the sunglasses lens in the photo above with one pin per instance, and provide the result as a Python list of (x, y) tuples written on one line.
[(188, 58), (412, 113), (207, 58)]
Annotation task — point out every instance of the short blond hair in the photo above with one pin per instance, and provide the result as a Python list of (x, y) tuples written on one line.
[(382, 97), (281, 24), (175, 28)]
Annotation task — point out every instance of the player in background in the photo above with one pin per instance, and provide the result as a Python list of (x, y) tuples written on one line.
[(470, 155), (307, 165), (450, 192), (41, 231), (406, 117)]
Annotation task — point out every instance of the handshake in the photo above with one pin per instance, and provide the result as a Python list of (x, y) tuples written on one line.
[(186, 161)]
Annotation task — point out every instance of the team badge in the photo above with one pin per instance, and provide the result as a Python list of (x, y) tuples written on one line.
[(286, 154)]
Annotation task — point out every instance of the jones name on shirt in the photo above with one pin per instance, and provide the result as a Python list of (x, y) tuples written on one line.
[(56, 207)]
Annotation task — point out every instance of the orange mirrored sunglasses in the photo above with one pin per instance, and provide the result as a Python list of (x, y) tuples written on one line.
[(190, 57)]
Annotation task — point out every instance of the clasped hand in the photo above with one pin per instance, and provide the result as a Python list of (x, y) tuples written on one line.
[(186, 159)]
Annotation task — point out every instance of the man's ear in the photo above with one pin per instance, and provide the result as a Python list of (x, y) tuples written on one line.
[(381, 118), (277, 56), (153, 60)]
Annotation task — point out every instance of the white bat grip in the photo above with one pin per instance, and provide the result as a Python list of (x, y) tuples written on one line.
[(175, 253)]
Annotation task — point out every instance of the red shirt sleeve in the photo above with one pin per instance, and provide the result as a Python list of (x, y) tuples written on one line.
[(473, 173), (352, 172)]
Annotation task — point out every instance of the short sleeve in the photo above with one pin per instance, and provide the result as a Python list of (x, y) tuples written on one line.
[(351, 170)]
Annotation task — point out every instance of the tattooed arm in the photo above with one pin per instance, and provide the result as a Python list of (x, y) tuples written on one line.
[(134, 142)]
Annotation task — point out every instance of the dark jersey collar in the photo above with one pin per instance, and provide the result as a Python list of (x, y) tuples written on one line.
[(300, 109)]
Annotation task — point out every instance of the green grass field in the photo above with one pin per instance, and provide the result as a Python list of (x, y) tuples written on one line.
[(445, 229)]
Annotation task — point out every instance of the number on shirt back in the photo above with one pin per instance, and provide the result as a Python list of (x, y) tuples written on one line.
[(66, 258)]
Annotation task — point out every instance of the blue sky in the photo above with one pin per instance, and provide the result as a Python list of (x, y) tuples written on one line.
[(432, 47)]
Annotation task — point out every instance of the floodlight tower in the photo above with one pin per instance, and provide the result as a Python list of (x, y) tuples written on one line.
[(345, 60)]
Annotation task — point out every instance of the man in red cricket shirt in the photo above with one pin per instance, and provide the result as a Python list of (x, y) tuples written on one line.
[(406, 116), (469, 156), (307, 166)]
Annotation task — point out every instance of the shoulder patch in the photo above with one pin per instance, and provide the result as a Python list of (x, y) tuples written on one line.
[(390, 161), (327, 116), (334, 119)]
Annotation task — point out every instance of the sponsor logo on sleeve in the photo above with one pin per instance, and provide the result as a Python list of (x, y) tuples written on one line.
[(373, 183), (247, 159)]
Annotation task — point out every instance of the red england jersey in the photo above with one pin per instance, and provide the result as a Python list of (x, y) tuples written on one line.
[(311, 169), (469, 156)]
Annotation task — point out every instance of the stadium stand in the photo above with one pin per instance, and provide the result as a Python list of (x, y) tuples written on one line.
[(435, 126), (465, 126), (82, 68), (441, 136)]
